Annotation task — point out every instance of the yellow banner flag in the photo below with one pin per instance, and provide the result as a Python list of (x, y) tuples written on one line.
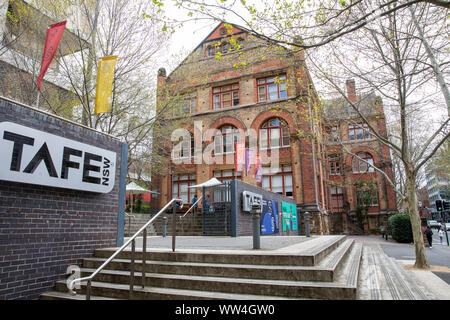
[(105, 78)]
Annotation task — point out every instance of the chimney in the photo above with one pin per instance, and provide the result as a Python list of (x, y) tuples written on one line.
[(160, 88), (351, 91)]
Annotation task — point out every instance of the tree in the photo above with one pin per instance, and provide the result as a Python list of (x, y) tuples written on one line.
[(402, 50), (394, 48), (23, 29), (389, 57), (365, 193), (119, 28), (284, 22)]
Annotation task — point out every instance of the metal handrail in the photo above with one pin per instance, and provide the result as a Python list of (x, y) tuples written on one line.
[(191, 207), (89, 278), (129, 221)]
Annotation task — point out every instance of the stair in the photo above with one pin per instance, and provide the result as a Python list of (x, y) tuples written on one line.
[(324, 267), (134, 223), (188, 226)]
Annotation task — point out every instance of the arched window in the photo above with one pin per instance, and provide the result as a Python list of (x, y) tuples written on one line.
[(360, 166), (226, 139), (274, 133)]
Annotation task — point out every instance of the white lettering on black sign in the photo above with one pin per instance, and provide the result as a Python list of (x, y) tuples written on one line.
[(37, 157)]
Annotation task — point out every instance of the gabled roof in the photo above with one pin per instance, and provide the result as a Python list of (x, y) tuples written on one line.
[(215, 35), (339, 108), (216, 32)]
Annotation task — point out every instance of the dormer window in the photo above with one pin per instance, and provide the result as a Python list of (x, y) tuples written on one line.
[(210, 51), (225, 48)]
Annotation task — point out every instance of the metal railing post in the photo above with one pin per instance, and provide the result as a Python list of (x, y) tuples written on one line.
[(118, 251), (174, 224), (133, 249), (144, 250), (88, 290), (129, 225)]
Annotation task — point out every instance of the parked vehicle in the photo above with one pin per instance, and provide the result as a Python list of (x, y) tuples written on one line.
[(433, 224), (447, 226)]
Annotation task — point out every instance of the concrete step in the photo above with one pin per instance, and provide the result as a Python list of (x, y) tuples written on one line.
[(383, 278), (307, 253), (326, 267), (344, 287), (325, 271), (61, 295), (114, 291)]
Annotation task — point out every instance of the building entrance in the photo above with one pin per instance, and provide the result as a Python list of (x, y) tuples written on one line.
[(216, 213)]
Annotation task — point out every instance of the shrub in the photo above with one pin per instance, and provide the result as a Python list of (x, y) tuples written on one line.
[(400, 228)]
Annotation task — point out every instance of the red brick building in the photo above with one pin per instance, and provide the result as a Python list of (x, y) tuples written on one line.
[(351, 150), (254, 93)]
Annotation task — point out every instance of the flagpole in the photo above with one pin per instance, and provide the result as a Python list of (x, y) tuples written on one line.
[(37, 101)]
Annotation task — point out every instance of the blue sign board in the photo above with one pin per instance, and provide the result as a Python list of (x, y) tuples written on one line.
[(269, 217)]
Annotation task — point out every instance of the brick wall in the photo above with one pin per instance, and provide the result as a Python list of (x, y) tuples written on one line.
[(244, 219), (43, 230)]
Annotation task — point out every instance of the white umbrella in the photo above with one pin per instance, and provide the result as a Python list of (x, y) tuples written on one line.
[(133, 188), (210, 183)]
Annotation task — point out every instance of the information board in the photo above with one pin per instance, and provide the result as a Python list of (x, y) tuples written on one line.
[(269, 217)]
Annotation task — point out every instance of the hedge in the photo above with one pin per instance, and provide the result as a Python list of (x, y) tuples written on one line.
[(400, 228)]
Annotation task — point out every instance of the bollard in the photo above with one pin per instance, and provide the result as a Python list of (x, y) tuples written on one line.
[(256, 231), (164, 227), (307, 216)]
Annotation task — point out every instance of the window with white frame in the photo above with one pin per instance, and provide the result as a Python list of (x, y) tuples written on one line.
[(188, 105), (274, 133), (227, 175), (334, 161), (358, 132), (337, 199), (278, 181), (181, 184), (226, 96), (272, 88), (333, 134), (226, 139), (363, 163), (184, 149)]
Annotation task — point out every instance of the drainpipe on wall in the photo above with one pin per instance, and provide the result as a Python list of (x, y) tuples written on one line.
[(316, 191)]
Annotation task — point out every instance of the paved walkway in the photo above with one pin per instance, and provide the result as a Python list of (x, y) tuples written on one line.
[(381, 277), (386, 278)]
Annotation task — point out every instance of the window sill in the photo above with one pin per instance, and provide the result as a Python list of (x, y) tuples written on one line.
[(224, 154), (272, 148), (363, 172)]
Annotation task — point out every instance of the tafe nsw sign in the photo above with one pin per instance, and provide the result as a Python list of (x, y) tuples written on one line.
[(37, 157)]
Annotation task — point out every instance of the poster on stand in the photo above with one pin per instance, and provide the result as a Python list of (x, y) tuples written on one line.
[(269, 217), (286, 215)]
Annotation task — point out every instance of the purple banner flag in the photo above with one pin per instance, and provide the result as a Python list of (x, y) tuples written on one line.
[(249, 153), (258, 168)]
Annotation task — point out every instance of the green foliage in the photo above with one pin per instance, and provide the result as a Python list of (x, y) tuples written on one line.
[(400, 228), (365, 193)]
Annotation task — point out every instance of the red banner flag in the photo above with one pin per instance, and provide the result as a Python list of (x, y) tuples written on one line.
[(52, 39), (258, 168), (240, 156)]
